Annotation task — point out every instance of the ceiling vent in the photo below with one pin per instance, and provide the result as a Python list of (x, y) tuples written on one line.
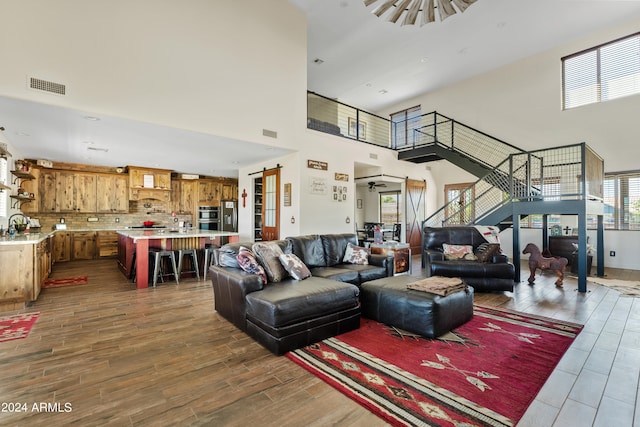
[(44, 85)]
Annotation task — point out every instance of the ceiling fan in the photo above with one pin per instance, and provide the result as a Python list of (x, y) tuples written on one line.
[(373, 185)]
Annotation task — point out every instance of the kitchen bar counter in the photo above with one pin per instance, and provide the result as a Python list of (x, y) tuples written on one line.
[(140, 240)]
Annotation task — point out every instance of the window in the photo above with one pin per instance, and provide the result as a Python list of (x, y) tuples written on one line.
[(403, 124), (605, 72), (391, 207), (621, 201), (463, 211), (3, 193)]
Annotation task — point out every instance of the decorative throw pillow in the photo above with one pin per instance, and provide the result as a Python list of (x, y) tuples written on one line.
[(248, 262), (268, 254), (452, 252), (356, 255), (486, 251), (294, 266)]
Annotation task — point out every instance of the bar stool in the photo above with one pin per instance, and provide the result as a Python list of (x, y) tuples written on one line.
[(194, 261), (209, 259), (158, 255)]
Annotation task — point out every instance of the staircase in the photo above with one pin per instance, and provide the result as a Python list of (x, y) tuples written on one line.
[(512, 183), (506, 174)]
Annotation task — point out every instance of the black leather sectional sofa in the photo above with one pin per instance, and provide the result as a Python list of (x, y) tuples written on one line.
[(293, 313)]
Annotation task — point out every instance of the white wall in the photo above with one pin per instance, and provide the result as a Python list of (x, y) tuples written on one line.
[(226, 68), (319, 213), (521, 104)]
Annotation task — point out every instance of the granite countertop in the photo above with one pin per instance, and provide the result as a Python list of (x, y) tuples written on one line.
[(138, 233), (25, 238), (168, 233)]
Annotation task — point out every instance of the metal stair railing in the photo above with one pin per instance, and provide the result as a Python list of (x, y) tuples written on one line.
[(436, 129), (549, 174)]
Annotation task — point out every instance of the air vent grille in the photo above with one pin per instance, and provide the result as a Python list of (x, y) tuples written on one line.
[(47, 86)]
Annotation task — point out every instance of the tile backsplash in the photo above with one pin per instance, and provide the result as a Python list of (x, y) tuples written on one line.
[(139, 212)]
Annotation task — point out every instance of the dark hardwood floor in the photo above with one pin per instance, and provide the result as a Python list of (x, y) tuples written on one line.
[(113, 355)]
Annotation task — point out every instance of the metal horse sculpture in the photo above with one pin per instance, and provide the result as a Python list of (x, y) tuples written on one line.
[(537, 261)]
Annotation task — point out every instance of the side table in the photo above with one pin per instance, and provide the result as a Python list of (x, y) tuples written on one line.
[(401, 253)]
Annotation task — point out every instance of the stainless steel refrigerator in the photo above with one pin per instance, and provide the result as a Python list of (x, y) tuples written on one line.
[(229, 215)]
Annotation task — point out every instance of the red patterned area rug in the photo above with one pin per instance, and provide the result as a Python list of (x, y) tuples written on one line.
[(67, 281), (484, 373), (17, 326)]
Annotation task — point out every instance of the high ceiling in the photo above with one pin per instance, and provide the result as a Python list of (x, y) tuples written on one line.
[(367, 62), (364, 55)]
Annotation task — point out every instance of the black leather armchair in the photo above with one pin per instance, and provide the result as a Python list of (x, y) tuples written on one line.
[(496, 274)]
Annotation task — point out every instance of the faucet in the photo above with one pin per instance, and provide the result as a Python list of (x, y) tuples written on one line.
[(23, 221)]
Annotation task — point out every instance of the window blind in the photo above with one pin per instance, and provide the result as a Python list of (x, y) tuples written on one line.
[(602, 73)]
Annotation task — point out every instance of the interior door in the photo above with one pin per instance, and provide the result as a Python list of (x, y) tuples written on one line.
[(271, 204), (415, 211)]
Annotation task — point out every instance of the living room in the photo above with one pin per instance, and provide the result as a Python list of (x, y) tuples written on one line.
[(265, 88)]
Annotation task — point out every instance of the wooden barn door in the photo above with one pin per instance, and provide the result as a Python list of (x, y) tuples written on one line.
[(415, 211)]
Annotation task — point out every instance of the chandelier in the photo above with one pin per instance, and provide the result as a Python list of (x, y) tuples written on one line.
[(412, 8)]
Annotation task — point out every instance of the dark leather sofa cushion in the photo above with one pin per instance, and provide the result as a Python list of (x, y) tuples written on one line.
[(290, 301), (335, 246), (337, 273), (366, 272), (309, 249), (434, 237), (473, 269)]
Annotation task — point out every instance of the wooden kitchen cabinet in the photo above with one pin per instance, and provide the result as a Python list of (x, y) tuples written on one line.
[(61, 246), (209, 192), (229, 191), (47, 191), (107, 244), (74, 192), (83, 245), (148, 183), (43, 263), (112, 194), (16, 264), (183, 196), (24, 269)]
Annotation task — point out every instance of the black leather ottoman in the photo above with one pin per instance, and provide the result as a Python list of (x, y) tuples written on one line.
[(389, 301)]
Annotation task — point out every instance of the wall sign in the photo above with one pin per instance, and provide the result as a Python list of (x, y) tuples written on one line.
[(317, 164), (287, 194), (342, 177)]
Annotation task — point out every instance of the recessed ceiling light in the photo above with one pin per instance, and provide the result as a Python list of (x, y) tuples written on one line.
[(425, 59), (92, 118), (235, 162), (368, 85), (382, 92)]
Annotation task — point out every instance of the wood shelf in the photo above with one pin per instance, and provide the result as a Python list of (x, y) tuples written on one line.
[(23, 175), (4, 187), (20, 200)]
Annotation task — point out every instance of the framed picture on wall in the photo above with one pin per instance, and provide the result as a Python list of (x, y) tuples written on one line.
[(361, 133)]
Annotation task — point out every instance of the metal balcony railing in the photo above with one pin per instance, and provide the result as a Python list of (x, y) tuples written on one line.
[(330, 116)]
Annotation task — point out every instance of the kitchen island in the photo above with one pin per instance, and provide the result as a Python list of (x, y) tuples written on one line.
[(141, 240), (25, 263)]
